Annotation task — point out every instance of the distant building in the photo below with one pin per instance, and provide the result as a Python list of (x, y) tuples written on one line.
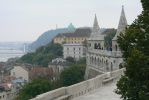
[(79, 36), (75, 51), (58, 65), (8, 91), (20, 73), (30, 73)]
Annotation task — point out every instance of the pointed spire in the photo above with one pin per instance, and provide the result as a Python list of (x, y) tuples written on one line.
[(122, 23), (95, 25)]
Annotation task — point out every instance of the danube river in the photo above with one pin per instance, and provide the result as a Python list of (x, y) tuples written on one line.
[(6, 54)]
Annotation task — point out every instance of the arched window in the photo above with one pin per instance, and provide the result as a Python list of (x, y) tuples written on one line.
[(95, 46), (115, 47), (107, 67), (99, 46), (95, 61), (90, 60), (102, 62), (98, 62), (111, 66)]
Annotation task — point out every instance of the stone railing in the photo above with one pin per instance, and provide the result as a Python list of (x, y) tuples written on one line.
[(107, 53), (73, 91)]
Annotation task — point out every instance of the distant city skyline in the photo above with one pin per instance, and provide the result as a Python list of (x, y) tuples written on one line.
[(26, 20)]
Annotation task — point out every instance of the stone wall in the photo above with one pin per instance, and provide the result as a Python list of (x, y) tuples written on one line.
[(73, 91)]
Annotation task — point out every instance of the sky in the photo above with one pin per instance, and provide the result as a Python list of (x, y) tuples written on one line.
[(26, 20)]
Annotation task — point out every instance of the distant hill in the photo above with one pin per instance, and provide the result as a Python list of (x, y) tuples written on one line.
[(47, 37)]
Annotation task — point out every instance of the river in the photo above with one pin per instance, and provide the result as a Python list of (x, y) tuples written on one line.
[(9, 53)]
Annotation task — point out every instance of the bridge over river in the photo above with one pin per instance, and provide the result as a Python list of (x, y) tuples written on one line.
[(10, 53)]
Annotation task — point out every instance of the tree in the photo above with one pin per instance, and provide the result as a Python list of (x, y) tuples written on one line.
[(70, 59), (110, 33), (43, 55), (34, 88), (134, 85), (73, 74)]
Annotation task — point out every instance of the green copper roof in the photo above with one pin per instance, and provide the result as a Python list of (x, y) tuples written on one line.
[(71, 27)]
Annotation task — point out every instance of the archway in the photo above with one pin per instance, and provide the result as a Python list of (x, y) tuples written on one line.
[(111, 66), (116, 47), (107, 67)]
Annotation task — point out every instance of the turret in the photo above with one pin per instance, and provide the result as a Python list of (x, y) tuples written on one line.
[(95, 25), (122, 24), (121, 29)]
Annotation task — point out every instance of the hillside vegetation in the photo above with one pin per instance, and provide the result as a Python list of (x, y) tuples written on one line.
[(43, 55)]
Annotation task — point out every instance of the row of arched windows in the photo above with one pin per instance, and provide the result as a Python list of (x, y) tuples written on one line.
[(99, 47), (101, 63)]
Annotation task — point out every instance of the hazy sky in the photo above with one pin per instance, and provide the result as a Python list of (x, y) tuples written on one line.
[(25, 20)]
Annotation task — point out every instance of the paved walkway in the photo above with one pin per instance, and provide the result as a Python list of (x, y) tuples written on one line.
[(104, 93)]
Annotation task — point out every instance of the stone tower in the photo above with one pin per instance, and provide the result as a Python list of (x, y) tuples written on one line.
[(100, 60), (121, 29)]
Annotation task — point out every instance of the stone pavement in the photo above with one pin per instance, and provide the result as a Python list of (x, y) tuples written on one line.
[(104, 93)]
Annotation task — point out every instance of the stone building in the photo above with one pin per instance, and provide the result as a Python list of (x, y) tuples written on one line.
[(58, 65), (79, 36), (29, 73), (75, 51), (99, 59)]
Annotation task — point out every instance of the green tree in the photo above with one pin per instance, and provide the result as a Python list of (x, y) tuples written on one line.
[(134, 85), (34, 88), (73, 74), (110, 33), (43, 55), (70, 59)]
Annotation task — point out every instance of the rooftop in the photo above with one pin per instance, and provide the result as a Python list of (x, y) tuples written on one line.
[(80, 32)]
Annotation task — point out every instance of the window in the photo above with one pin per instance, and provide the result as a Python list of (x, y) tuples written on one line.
[(116, 47), (95, 46), (13, 73), (73, 48), (89, 44), (114, 61), (111, 66), (98, 46)]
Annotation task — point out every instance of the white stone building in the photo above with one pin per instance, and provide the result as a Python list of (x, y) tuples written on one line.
[(76, 51), (58, 65), (100, 60), (20, 73)]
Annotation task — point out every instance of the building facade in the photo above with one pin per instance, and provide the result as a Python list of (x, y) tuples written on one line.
[(99, 59), (75, 51), (20, 73), (79, 36), (58, 65), (29, 73)]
